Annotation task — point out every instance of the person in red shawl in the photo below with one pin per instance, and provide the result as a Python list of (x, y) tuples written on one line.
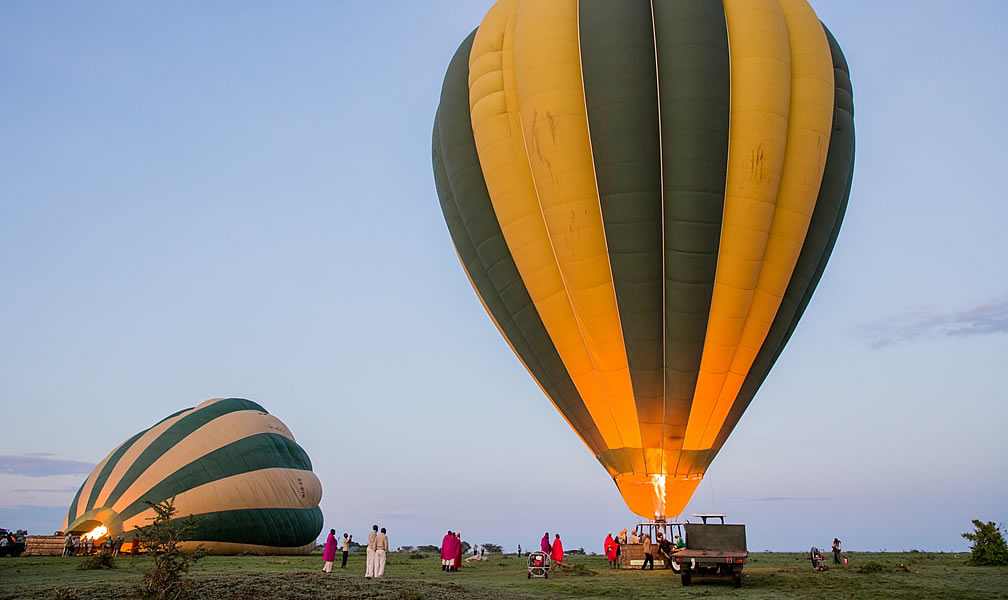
[(329, 553), (447, 553), (458, 550), (610, 550), (544, 544), (557, 552)]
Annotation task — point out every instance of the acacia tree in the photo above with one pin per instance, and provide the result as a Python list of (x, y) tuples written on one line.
[(988, 544), (163, 539)]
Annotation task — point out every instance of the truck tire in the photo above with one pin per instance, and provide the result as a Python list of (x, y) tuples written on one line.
[(738, 579), (685, 577)]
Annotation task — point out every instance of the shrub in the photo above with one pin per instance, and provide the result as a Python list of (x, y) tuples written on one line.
[(102, 560), (988, 545), (871, 567), (66, 593), (162, 539)]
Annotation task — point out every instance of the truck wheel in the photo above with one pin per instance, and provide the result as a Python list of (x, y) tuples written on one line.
[(685, 578), (16, 553), (738, 579)]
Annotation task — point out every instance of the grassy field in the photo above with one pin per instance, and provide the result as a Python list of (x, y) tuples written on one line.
[(913, 575)]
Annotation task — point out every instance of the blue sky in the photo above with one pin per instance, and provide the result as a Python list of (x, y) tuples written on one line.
[(235, 199)]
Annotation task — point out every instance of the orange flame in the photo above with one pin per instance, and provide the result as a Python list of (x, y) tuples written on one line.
[(97, 532), (659, 490)]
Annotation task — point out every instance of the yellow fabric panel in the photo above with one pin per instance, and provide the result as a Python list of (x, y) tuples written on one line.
[(136, 449), (265, 488), (554, 121), (87, 488), (760, 97), (216, 434), (501, 147), (809, 126)]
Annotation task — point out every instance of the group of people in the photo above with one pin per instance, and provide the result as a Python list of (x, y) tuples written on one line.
[(81, 546), (329, 552), (451, 551), (377, 551), (554, 550), (665, 547)]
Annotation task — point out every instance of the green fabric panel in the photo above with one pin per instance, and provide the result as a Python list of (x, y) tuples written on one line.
[(822, 235), (277, 527), (694, 81), (176, 433), (107, 469), (260, 451), (621, 95), (480, 244)]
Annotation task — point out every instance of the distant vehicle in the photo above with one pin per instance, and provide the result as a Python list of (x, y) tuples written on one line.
[(712, 550), (11, 542)]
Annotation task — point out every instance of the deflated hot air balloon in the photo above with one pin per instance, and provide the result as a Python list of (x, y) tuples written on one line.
[(227, 461), (644, 195)]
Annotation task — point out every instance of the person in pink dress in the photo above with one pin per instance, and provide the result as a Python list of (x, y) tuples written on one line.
[(447, 551), (329, 553)]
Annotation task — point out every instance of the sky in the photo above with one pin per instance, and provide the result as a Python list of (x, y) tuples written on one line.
[(236, 199)]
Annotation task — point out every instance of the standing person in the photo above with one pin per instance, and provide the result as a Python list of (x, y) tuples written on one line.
[(446, 545), (381, 549), (544, 544), (346, 548), (458, 550), (648, 558), (369, 570), (556, 552), (67, 545), (519, 549), (329, 552), (609, 546), (118, 545), (482, 549), (836, 551)]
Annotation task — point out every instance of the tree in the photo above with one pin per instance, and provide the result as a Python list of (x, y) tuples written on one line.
[(163, 539), (988, 544), (466, 547), (492, 548)]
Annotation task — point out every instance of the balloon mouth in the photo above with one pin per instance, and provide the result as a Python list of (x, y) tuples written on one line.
[(656, 496)]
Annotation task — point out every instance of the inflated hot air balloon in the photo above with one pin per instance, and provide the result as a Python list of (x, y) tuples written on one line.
[(644, 194), (228, 461)]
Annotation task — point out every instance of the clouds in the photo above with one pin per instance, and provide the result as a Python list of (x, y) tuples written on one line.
[(39, 464), (978, 320)]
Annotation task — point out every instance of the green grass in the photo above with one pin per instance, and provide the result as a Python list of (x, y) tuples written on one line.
[(912, 575)]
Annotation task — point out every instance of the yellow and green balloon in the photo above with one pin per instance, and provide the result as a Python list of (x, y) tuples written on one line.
[(644, 195), (227, 461)]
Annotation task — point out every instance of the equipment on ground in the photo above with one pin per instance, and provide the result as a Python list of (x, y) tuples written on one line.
[(538, 565)]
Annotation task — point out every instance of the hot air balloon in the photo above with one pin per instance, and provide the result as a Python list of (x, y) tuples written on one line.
[(644, 195), (229, 462)]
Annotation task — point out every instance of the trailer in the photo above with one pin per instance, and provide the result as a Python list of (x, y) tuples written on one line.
[(713, 550)]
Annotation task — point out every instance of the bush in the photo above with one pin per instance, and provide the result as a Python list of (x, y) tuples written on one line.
[(871, 567), (162, 539), (988, 545), (102, 560), (492, 548)]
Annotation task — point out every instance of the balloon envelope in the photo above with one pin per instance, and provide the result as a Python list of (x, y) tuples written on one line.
[(227, 461), (644, 195)]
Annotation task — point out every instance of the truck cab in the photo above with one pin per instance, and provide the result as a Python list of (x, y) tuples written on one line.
[(713, 549)]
